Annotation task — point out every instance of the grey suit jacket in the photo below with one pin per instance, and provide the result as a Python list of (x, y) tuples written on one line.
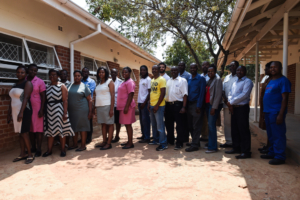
[(215, 91)]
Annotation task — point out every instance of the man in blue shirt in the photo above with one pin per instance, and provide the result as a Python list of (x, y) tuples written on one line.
[(275, 108), (92, 85), (182, 72), (195, 112), (238, 104)]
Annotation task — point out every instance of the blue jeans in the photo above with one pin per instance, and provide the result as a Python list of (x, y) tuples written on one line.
[(276, 135), (158, 125), (144, 121), (212, 133)]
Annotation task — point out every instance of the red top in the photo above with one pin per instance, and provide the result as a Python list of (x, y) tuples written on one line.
[(207, 95)]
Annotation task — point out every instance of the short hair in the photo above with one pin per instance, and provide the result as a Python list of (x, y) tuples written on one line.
[(77, 71), (54, 70), (206, 62), (114, 69), (244, 68), (63, 70), (85, 68), (174, 67), (32, 65), (146, 68), (278, 63), (268, 65), (128, 69), (20, 66), (213, 66), (106, 74), (162, 63), (181, 62), (236, 63)]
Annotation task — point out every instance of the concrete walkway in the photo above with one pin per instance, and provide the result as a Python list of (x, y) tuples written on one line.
[(293, 134), (143, 173)]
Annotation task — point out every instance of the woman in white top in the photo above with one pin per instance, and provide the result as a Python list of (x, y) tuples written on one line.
[(105, 100)]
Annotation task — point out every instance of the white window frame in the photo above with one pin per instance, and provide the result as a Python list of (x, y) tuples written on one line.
[(94, 73)]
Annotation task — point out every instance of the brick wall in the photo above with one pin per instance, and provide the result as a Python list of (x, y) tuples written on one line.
[(136, 91), (292, 77), (63, 54), (8, 138)]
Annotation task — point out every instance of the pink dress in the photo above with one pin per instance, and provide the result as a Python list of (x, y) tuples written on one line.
[(37, 124), (124, 89)]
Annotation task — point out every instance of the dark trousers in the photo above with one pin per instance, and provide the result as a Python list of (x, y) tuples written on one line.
[(172, 115), (195, 122), (89, 133), (240, 132), (144, 121)]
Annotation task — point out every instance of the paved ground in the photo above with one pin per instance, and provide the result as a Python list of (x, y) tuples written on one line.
[(143, 173)]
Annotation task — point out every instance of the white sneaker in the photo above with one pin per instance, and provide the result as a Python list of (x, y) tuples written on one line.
[(211, 151)]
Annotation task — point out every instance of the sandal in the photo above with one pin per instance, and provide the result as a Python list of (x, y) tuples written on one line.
[(29, 160), (101, 145), (20, 158)]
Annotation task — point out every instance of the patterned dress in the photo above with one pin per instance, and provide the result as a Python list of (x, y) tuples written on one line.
[(53, 121)]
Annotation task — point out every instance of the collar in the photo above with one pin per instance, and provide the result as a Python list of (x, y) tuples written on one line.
[(177, 78), (182, 73), (87, 80), (196, 77), (242, 79)]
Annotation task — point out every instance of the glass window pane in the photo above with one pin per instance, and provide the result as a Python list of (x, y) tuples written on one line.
[(87, 62)]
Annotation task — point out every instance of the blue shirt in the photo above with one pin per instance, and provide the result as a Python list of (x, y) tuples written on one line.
[(240, 91), (196, 89), (185, 75), (273, 94), (91, 84)]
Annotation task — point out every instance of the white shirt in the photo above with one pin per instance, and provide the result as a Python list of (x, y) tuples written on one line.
[(227, 84), (165, 76), (118, 82), (207, 77), (176, 89), (144, 86), (103, 97)]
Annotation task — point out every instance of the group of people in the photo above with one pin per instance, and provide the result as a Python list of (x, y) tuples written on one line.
[(193, 101)]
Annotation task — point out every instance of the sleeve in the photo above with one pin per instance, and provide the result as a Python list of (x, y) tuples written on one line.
[(42, 87), (92, 87), (87, 90), (247, 88), (130, 86), (201, 92), (184, 88), (149, 83), (218, 94), (285, 86), (162, 83)]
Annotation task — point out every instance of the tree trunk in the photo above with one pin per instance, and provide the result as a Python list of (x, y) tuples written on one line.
[(192, 51)]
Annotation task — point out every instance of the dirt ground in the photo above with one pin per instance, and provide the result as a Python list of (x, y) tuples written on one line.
[(143, 173)]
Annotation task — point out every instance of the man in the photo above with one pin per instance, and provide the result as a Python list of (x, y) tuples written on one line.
[(118, 82), (92, 85), (205, 66), (275, 108), (64, 77), (182, 72), (227, 84), (176, 99), (157, 109), (196, 91), (163, 73), (238, 104)]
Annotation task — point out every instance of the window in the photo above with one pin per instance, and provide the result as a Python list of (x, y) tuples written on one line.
[(93, 65), (132, 76)]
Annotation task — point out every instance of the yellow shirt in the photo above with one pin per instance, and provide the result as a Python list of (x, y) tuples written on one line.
[(156, 85)]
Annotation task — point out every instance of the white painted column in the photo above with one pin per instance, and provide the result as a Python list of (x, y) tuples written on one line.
[(285, 43), (256, 82)]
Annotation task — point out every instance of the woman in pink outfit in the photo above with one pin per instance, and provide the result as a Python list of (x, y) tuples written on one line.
[(37, 99), (126, 105)]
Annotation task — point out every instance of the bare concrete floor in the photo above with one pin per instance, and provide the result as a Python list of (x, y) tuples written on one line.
[(143, 173)]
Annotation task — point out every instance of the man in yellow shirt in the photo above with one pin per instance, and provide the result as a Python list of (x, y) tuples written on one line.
[(157, 109)]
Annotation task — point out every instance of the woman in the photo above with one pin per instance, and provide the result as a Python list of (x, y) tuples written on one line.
[(143, 99), (20, 112), (213, 100), (56, 120), (105, 101), (126, 105), (37, 100), (80, 109)]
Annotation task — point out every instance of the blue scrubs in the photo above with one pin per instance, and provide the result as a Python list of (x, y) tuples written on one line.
[(272, 105)]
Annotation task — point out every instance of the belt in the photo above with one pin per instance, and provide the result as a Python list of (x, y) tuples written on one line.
[(174, 102), (45, 111), (236, 106)]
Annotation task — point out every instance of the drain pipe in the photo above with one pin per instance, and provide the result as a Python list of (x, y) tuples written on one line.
[(72, 49)]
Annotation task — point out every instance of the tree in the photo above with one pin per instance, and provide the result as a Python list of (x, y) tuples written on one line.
[(181, 18)]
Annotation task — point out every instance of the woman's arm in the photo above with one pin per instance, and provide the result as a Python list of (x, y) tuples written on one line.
[(9, 115), (64, 92), (27, 92), (111, 86), (129, 100), (43, 98), (90, 103)]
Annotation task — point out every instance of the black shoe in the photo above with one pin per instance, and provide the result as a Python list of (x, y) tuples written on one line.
[(79, 141), (188, 144), (102, 148), (161, 148), (99, 145), (132, 146), (203, 140), (123, 144), (225, 145), (88, 141), (115, 140), (263, 148), (232, 151), (81, 149), (266, 157), (171, 143), (140, 138), (177, 147), (151, 138), (144, 141), (243, 156), (63, 154), (37, 153), (47, 154), (276, 162), (264, 151), (191, 149)]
